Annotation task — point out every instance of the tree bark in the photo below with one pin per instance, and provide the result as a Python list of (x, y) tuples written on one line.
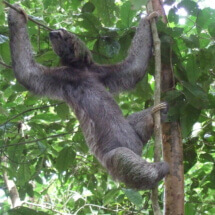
[(13, 192), (174, 182)]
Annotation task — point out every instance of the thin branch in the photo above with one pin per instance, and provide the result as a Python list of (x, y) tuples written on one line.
[(29, 17), (31, 109), (157, 95), (33, 141), (5, 65), (45, 207), (20, 163), (38, 39), (97, 206)]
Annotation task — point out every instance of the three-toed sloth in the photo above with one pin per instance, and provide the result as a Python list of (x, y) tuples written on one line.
[(115, 141)]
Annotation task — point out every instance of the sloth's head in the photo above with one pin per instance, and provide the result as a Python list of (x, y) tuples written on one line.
[(70, 48)]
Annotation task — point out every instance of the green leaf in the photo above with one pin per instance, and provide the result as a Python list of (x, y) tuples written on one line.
[(211, 29), (144, 89), (110, 196), (88, 8), (193, 69), (2, 14), (23, 174), (192, 41), (74, 3), (29, 190), (106, 48), (195, 95), (212, 178), (190, 209), (137, 4), (189, 115), (169, 2), (205, 17), (205, 58), (124, 42), (190, 6), (63, 111), (18, 88), (105, 11), (25, 211), (134, 197), (173, 95), (65, 159), (211, 100), (206, 158), (173, 17), (3, 111), (211, 211), (5, 52), (127, 14), (44, 116), (90, 23), (47, 56), (190, 154)]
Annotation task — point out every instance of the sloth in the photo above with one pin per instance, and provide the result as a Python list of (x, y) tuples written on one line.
[(115, 141)]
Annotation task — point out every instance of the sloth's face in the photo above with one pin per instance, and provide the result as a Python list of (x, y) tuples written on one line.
[(63, 43), (70, 48)]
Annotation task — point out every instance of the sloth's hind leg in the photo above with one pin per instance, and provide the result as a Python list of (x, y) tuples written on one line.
[(126, 166)]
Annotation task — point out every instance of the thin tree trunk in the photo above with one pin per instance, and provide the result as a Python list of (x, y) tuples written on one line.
[(13, 192), (157, 99), (172, 145)]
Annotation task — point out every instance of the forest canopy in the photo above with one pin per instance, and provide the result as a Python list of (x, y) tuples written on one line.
[(42, 149)]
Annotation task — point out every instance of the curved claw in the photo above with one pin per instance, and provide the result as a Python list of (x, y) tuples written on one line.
[(22, 11), (161, 106), (152, 15)]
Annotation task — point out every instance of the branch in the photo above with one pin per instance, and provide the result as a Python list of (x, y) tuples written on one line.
[(93, 205), (5, 65), (32, 141), (29, 17), (45, 207), (157, 93), (32, 109)]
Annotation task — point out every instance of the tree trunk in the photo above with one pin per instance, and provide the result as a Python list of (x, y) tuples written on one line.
[(13, 192)]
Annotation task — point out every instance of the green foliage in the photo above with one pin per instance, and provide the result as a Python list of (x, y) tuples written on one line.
[(65, 159), (136, 4), (126, 14), (134, 197), (42, 147), (25, 211)]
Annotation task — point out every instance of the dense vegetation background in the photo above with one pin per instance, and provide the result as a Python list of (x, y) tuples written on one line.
[(42, 148)]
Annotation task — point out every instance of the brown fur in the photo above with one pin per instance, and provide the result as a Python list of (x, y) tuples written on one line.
[(115, 141)]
